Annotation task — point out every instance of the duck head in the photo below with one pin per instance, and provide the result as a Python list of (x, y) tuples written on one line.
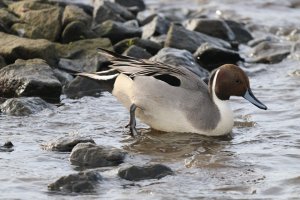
[(230, 80)]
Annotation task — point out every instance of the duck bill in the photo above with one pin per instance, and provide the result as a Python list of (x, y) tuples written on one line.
[(252, 99)]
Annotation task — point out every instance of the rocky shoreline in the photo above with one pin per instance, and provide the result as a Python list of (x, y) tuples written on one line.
[(38, 39)]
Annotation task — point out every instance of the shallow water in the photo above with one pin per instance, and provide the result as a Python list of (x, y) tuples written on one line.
[(259, 161)]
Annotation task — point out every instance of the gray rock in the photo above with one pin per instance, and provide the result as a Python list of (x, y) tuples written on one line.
[(269, 53), (24, 106), (91, 155), (242, 35), (150, 46), (63, 76), (74, 13), (257, 41), (83, 182), (37, 19), (157, 26), (295, 51), (145, 16), (140, 4), (179, 57), (29, 78), (13, 47), (159, 39), (7, 147), (66, 144), (180, 38), (116, 31), (211, 57), (137, 173), (132, 23), (74, 31), (137, 52), (106, 10)]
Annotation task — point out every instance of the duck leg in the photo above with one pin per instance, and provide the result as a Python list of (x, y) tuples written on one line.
[(132, 121)]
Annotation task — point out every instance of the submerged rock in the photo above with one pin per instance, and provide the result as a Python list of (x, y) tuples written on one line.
[(66, 144), (137, 173), (91, 155), (29, 78), (137, 52), (24, 106), (7, 147), (83, 182)]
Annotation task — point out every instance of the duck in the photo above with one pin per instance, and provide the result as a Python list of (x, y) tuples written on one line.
[(172, 98)]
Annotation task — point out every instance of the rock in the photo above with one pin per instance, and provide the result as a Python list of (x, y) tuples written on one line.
[(74, 13), (269, 52), (63, 77), (158, 26), (140, 4), (137, 52), (24, 106), (7, 18), (106, 10), (7, 147), (132, 23), (146, 16), (179, 57), (295, 51), (37, 19), (116, 31), (83, 182), (150, 46), (29, 78), (91, 155), (256, 41), (2, 62), (159, 39), (242, 35), (74, 31), (136, 173), (211, 57), (13, 47), (66, 144), (180, 38)]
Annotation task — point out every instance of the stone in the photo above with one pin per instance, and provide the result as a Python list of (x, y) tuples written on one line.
[(242, 35), (91, 155), (37, 19), (137, 52), (116, 31), (82, 182), (14, 47), (66, 144), (146, 16), (150, 46), (178, 57), (74, 31), (211, 57), (74, 13), (63, 76), (180, 38), (137, 173), (140, 4), (24, 106), (2, 62), (7, 18), (158, 26), (7, 147), (29, 78), (106, 10)]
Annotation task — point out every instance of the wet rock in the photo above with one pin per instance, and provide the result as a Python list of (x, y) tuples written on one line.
[(269, 52), (7, 147), (117, 31), (157, 26), (66, 144), (106, 10), (242, 35), (150, 46), (180, 38), (83, 182), (37, 19), (295, 51), (29, 78), (91, 155), (137, 52), (137, 173), (74, 13), (24, 106), (211, 57), (257, 41), (13, 47), (76, 30), (140, 4), (179, 57)]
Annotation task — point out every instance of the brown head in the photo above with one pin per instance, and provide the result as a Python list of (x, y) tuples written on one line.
[(230, 80)]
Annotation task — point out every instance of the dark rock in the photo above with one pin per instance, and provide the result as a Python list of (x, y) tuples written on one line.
[(132, 3), (157, 26), (242, 35), (24, 106), (180, 38), (145, 17), (83, 182), (257, 41), (179, 57), (29, 78), (74, 13), (137, 52), (106, 10), (159, 39), (66, 144), (63, 77), (7, 18), (8, 144), (116, 31), (74, 31), (136, 173), (13, 47), (211, 57), (2, 62), (132, 23), (150, 46), (7, 147), (91, 155), (269, 53), (213, 27), (37, 19)]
